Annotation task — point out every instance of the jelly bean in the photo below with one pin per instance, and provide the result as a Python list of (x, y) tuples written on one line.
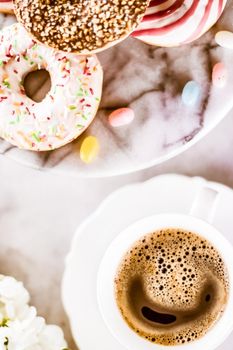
[(89, 149), (191, 93), (121, 116), (219, 75), (224, 39)]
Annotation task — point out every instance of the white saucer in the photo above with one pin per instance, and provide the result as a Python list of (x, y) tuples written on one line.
[(166, 193)]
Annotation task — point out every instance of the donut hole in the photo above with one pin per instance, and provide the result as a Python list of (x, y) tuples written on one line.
[(37, 84)]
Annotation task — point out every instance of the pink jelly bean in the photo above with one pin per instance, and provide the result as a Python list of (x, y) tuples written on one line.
[(121, 116), (219, 75)]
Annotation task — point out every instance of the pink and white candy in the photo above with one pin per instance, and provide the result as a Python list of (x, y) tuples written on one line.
[(6, 7), (177, 22)]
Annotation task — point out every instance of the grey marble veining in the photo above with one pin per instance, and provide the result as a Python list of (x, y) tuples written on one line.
[(149, 80)]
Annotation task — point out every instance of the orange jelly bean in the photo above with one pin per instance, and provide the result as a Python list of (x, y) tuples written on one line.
[(219, 75)]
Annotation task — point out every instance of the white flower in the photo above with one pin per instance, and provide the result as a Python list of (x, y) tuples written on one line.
[(20, 327), (14, 298), (52, 338)]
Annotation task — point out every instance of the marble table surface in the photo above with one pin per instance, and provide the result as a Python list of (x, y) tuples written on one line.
[(149, 80), (40, 211)]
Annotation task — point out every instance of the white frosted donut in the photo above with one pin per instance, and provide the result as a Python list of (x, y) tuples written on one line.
[(68, 108), (177, 22), (6, 7)]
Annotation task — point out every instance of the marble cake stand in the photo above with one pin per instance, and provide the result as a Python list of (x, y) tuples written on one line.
[(149, 80)]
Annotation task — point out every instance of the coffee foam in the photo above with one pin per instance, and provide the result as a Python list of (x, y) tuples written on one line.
[(175, 273)]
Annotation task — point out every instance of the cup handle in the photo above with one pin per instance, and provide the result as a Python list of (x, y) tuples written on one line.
[(204, 204)]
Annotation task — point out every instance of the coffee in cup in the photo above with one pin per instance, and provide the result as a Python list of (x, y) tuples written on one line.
[(167, 279), (171, 286)]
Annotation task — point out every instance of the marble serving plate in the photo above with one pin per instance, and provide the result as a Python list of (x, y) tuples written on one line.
[(149, 80)]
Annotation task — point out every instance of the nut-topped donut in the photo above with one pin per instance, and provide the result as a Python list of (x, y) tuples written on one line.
[(81, 26), (67, 109)]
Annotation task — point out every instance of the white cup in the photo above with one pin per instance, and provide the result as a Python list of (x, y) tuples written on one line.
[(203, 210)]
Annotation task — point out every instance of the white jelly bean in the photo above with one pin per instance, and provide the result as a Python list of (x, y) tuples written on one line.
[(219, 75), (224, 39), (191, 93), (121, 116)]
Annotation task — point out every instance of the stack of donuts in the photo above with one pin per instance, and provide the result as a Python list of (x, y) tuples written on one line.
[(63, 38)]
